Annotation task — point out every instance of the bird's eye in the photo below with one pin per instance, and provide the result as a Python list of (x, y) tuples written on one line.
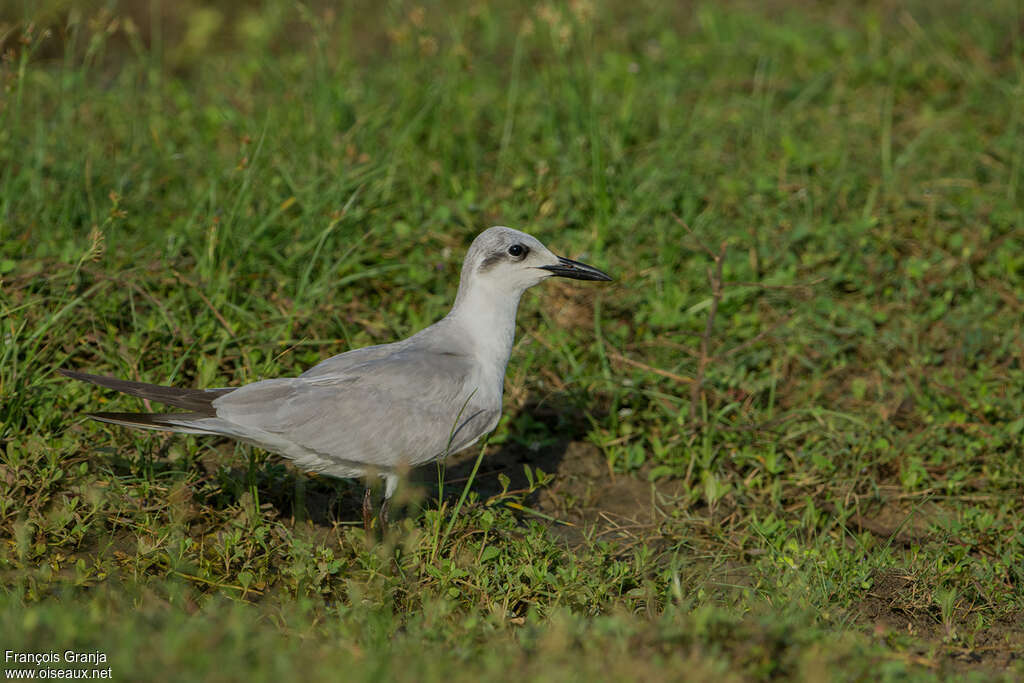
[(517, 250)]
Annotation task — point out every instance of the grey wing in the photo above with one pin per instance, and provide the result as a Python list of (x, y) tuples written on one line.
[(402, 410), (343, 362)]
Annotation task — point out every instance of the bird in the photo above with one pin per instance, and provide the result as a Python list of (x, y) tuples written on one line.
[(379, 410)]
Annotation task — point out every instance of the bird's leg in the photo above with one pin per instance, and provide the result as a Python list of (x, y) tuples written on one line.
[(334, 505), (390, 483), (368, 510), (385, 507)]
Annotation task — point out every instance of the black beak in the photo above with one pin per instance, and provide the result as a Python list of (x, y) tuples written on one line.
[(576, 270)]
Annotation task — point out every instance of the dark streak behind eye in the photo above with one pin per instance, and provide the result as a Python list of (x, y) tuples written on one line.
[(491, 261)]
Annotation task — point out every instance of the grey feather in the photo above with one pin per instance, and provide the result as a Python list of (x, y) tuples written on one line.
[(164, 422), (397, 411), (198, 400)]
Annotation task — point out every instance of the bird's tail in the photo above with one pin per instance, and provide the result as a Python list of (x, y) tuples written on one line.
[(185, 423), (199, 401)]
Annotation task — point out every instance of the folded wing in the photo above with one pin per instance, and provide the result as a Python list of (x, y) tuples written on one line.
[(401, 410)]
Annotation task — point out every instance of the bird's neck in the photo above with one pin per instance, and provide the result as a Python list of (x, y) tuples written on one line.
[(487, 318)]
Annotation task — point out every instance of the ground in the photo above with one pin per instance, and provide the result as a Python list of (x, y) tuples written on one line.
[(785, 443)]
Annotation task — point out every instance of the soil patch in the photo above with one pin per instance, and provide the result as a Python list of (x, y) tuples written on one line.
[(898, 604)]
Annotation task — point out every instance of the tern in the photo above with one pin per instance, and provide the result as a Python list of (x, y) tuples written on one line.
[(379, 410)]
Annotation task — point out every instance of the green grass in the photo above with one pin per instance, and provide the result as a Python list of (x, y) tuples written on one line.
[(209, 196)]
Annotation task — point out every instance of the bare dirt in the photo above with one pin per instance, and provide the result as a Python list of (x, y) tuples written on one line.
[(591, 503), (898, 604)]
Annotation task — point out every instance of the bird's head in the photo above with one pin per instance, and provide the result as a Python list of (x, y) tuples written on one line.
[(509, 260)]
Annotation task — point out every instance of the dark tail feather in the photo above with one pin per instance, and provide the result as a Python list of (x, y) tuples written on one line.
[(199, 400), (168, 422)]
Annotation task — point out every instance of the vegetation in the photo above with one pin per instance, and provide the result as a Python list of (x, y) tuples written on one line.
[(785, 443)]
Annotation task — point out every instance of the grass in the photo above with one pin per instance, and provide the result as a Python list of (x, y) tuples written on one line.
[(209, 196)]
